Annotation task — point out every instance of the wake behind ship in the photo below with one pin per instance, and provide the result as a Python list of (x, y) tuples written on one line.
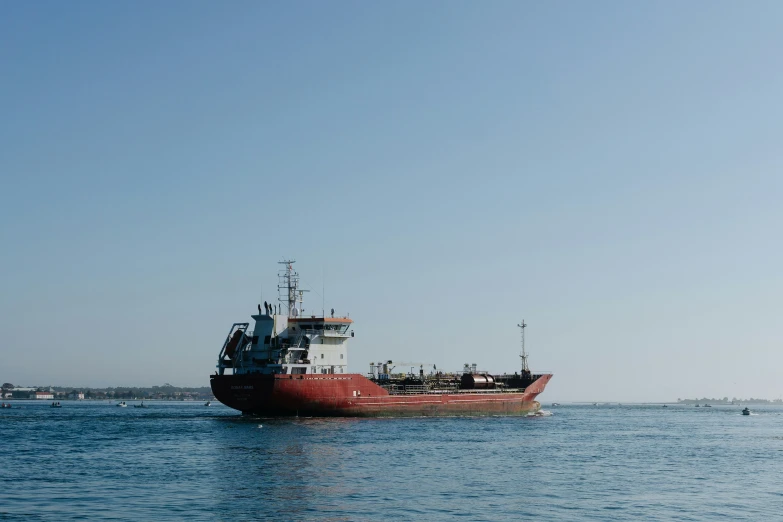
[(291, 364)]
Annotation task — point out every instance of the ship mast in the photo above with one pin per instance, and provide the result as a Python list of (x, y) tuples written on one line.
[(523, 355), (287, 286)]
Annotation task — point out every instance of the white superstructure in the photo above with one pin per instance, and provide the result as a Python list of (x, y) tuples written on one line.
[(284, 340)]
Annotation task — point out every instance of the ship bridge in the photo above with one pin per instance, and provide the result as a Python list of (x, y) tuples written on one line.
[(325, 326), (288, 343)]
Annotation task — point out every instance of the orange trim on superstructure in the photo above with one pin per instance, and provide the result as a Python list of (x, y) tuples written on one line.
[(321, 319)]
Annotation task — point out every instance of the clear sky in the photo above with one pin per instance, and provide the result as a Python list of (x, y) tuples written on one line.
[(610, 171)]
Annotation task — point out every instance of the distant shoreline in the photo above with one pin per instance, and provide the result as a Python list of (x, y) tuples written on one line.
[(166, 392), (732, 402), (61, 399)]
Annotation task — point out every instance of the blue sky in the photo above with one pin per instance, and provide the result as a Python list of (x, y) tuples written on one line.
[(610, 171)]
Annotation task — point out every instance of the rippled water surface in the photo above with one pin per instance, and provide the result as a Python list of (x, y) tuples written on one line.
[(93, 460)]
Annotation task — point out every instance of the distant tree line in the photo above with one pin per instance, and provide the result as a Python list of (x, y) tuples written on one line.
[(726, 400), (164, 392)]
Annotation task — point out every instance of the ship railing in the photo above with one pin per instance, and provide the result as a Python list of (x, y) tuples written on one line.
[(287, 349), (535, 376), (296, 344), (326, 333), (537, 373), (491, 390), (425, 390), (400, 389), (333, 333)]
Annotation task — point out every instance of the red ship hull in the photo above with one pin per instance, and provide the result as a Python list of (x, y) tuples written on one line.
[(353, 395)]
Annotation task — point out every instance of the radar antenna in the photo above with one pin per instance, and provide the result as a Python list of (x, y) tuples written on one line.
[(523, 355), (288, 284)]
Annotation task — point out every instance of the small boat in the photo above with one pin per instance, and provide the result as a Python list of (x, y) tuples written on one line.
[(122, 404), (555, 404), (665, 406), (140, 405), (4, 405), (697, 405), (208, 403), (707, 406), (746, 411), (56, 405), (595, 404)]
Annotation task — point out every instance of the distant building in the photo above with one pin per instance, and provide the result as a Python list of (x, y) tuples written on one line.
[(21, 392), (77, 396), (43, 395), (7, 394)]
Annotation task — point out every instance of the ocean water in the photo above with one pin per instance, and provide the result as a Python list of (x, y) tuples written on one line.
[(174, 461)]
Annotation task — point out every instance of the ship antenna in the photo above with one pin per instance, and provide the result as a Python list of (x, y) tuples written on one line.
[(289, 282), (523, 356)]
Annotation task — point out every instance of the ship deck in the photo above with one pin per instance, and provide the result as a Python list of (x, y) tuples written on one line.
[(354, 395)]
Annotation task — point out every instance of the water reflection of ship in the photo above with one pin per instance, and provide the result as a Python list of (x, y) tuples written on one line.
[(312, 463)]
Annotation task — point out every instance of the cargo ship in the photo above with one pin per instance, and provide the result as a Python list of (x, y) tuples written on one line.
[(294, 364)]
